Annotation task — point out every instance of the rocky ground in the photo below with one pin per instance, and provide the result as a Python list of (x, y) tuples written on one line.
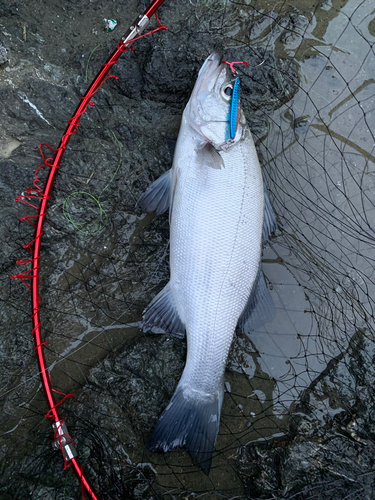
[(103, 261)]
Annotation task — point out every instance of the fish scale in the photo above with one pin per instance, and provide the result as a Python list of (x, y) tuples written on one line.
[(214, 274)]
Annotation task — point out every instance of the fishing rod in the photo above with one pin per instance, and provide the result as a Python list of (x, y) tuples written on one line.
[(41, 195)]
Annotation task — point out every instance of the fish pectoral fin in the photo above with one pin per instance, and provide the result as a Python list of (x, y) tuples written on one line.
[(270, 223), (190, 423), (161, 315), (260, 308), (156, 196), (210, 157)]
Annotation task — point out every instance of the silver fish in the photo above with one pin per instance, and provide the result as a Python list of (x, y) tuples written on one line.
[(217, 204)]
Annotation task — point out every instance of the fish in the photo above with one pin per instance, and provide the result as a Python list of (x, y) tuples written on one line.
[(219, 215)]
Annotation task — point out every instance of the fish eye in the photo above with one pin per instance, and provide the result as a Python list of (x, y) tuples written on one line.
[(227, 91)]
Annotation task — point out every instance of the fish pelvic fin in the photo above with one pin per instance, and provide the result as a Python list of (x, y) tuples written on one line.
[(191, 423), (156, 196)]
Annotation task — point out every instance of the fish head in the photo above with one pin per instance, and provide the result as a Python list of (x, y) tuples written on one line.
[(208, 110)]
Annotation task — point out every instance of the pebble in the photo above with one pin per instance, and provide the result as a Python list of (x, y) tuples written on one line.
[(3, 55)]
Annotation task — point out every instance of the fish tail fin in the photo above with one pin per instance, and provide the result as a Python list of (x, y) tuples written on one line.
[(191, 423)]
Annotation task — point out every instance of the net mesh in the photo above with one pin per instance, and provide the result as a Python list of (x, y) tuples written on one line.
[(297, 414)]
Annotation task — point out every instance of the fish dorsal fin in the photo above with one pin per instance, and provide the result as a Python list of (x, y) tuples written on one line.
[(156, 196), (270, 223), (161, 315), (259, 309), (210, 157)]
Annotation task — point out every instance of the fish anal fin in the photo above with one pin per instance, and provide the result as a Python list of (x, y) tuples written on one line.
[(260, 308), (161, 315), (156, 196)]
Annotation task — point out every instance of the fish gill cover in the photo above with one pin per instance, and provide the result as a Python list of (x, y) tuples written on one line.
[(297, 418)]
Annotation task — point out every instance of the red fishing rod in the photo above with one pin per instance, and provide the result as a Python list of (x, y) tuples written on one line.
[(62, 439)]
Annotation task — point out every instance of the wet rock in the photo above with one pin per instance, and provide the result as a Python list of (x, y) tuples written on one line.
[(132, 387), (331, 448), (142, 379), (3, 55)]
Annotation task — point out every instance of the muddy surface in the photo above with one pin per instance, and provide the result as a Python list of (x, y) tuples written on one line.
[(297, 419)]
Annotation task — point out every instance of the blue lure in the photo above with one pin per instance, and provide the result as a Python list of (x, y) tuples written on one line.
[(234, 108)]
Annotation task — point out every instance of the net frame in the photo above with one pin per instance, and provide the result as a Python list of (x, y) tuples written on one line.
[(41, 194)]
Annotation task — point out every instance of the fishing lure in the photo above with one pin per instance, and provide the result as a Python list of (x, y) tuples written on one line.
[(234, 113)]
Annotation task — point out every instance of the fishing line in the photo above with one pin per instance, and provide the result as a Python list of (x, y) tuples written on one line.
[(88, 60), (102, 217), (216, 10)]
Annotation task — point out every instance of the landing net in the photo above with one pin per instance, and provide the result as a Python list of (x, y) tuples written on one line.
[(297, 414)]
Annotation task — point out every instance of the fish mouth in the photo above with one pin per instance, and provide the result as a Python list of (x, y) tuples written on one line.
[(205, 104), (209, 73)]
